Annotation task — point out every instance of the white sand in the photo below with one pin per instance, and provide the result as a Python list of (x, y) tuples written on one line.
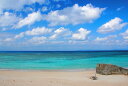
[(59, 78)]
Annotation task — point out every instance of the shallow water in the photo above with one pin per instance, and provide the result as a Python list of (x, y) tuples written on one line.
[(61, 60)]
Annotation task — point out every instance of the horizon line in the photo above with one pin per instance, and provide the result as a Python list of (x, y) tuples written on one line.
[(60, 50)]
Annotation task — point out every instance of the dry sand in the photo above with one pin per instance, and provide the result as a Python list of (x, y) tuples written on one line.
[(59, 78)]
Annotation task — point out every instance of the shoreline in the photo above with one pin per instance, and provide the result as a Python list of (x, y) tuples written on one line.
[(50, 70), (73, 70)]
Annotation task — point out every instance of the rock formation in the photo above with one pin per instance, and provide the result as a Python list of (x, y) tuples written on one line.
[(108, 69)]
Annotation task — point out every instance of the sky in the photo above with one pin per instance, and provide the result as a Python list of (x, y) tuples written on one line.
[(63, 25)]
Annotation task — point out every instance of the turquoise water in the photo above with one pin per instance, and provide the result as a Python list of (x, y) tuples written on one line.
[(61, 60)]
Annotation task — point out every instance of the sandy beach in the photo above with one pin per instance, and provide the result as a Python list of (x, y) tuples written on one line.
[(59, 78)]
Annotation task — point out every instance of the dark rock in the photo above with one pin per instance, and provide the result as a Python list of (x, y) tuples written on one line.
[(93, 77), (109, 69)]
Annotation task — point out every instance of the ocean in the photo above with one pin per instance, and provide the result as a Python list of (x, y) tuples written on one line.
[(55, 60)]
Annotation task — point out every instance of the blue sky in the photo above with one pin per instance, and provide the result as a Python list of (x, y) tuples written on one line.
[(63, 25)]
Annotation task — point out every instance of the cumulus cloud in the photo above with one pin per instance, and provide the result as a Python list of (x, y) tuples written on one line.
[(60, 33), (8, 19), (20, 35), (105, 38), (74, 15), (125, 35), (38, 40), (17, 4), (81, 34), (38, 31), (6, 37), (30, 19), (112, 25), (35, 31)]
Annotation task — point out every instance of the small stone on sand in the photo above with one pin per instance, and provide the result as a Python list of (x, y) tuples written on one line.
[(93, 77)]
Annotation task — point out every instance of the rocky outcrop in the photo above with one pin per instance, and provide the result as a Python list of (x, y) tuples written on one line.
[(109, 69)]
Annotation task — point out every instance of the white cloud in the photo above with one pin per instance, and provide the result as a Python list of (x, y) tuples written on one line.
[(119, 9), (8, 39), (125, 35), (8, 19), (28, 9), (30, 19), (101, 39), (38, 40), (105, 38), (60, 33), (74, 15), (17, 4), (38, 31), (81, 35), (20, 35), (35, 31), (78, 42), (112, 25), (108, 41)]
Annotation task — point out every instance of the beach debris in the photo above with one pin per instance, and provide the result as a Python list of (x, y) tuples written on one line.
[(93, 77), (109, 69)]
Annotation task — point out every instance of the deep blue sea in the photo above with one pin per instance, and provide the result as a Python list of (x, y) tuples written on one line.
[(46, 60)]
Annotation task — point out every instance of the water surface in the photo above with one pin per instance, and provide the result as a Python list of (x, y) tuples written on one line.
[(61, 60)]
